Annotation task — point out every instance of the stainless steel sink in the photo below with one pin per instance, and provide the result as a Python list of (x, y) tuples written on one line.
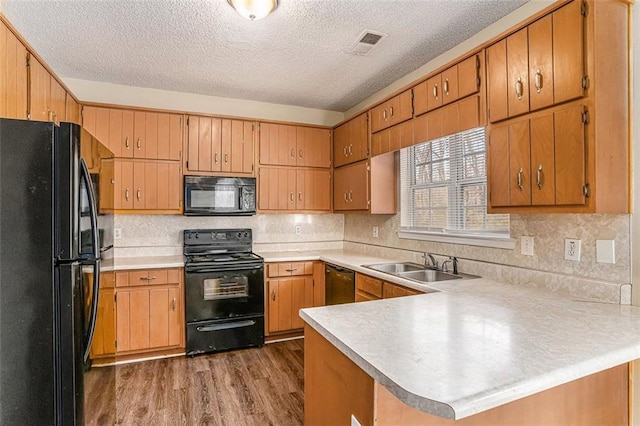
[(429, 275), (418, 273), (396, 268)]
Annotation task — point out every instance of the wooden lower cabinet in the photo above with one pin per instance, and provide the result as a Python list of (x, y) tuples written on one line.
[(336, 389), (370, 288), (291, 286), (142, 313), (154, 186)]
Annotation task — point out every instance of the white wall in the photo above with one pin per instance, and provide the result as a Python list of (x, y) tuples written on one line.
[(93, 91)]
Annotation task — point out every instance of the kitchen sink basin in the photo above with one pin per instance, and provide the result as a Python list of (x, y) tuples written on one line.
[(429, 275), (396, 268)]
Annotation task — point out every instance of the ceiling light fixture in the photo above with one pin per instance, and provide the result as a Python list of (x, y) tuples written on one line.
[(254, 9)]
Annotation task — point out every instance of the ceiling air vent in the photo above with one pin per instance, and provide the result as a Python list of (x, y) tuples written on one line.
[(365, 42)]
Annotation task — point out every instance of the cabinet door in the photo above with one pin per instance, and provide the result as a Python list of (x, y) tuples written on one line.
[(341, 188), (450, 85), (497, 81), (123, 186), (141, 200), (123, 321), (520, 163), (434, 124), (570, 156), (420, 98), (277, 144), (204, 144), (106, 193), (420, 133), (139, 319), (401, 107), (140, 134), (176, 320), (358, 180), (313, 147), (380, 142), (169, 137), (277, 189), (450, 119), (57, 101), (406, 134), (434, 92), (280, 300), (241, 146), (379, 118), (341, 145), (104, 338), (159, 308), (543, 187), (168, 186), (314, 190), (120, 132), (39, 91), (358, 138), (73, 110), (518, 73), (498, 178), (468, 76), (13, 75), (540, 63), (469, 113), (568, 51)]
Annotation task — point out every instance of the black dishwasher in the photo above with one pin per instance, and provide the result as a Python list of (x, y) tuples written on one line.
[(340, 285)]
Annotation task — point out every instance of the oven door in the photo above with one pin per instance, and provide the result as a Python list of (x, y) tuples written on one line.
[(225, 291)]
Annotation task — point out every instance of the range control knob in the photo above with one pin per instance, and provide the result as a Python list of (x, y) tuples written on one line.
[(246, 235), (239, 235)]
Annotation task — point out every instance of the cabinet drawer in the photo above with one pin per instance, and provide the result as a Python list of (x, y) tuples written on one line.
[(370, 285), (148, 277), (395, 290), (363, 297), (289, 269)]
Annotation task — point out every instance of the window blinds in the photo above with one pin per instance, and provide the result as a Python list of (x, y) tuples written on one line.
[(443, 187)]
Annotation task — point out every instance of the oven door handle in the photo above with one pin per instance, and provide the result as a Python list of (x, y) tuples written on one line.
[(234, 268), (226, 326)]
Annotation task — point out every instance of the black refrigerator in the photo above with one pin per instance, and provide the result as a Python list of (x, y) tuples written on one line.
[(53, 235)]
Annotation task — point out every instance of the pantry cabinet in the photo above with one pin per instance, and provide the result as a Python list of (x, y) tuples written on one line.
[(136, 134), (392, 112), (220, 145), (13, 75), (289, 145), (294, 189), (350, 141), (149, 311), (291, 286), (538, 66), (153, 186)]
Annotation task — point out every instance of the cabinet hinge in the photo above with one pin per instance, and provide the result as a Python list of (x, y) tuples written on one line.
[(477, 61), (368, 167), (252, 167), (116, 344), (115, 298), (187, 164), (585, 82), (586, 191), (367, 152), (368, 203), (479, 81), (584, 10), (585, 117)]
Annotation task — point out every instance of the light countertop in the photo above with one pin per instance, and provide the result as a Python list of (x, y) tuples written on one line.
[(126, 263)]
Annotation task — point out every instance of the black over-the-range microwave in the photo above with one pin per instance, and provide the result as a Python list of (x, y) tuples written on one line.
[(219, 196)]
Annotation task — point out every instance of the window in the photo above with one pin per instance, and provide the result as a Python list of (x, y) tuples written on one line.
[(443, 192)]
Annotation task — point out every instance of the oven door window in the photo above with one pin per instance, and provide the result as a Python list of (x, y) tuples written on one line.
[(225, 288)]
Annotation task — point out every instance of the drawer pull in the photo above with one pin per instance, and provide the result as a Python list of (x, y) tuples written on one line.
[(539, 177), (273, 295), (291, 269), (215, 158), (139, 144), (519, 179), (538, 80), (139, 194), (126, 143), (173, 304), (435, 91), (445, 87), (519, 88), (148, 278), (126, 194)]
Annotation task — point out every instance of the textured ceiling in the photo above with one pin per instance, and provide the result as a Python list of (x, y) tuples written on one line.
[(295, 56)]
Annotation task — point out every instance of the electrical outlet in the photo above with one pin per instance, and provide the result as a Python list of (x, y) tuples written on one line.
[(298, 230), (572, 249), (117, 233), (526, 246), (375, 232)]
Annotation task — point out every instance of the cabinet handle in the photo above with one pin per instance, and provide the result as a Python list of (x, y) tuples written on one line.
[(346, 198), (126, 194), (300, 153), (519, 88), (138, 194), (215, 158), (391, 111), (300, 196), (291, 196), (126, 143), (148, 278), (273, 295), (538, 80), (173, 304), (539, 177), (350, 196), (519, 179), (350, 149), (293, 152), (291, 269), (139, 144), (435, 91), (344, 151), (445, 87), (384, 114)]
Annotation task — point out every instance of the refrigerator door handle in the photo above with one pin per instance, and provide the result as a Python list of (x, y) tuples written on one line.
[(94, 309), (84, 175)]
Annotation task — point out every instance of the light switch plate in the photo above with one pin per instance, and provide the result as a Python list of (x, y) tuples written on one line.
[(605, 251)]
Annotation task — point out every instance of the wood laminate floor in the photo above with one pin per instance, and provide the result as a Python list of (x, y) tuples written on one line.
[(262, 386)]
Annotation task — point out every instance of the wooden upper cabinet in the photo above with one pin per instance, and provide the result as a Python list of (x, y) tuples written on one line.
[(518, 73), (568, 52), (434, 93), (283, 189), (541, 63), (350, 141), (497, 81), (57, 101), (392, 112), (39, 91), (147, 185), (13, 75), (351, 189), (73, 110), (450, 85), (219, 145), (469, 76), (313, 146)]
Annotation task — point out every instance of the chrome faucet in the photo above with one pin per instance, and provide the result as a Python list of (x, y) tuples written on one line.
[(429, 257), (454, 263)]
